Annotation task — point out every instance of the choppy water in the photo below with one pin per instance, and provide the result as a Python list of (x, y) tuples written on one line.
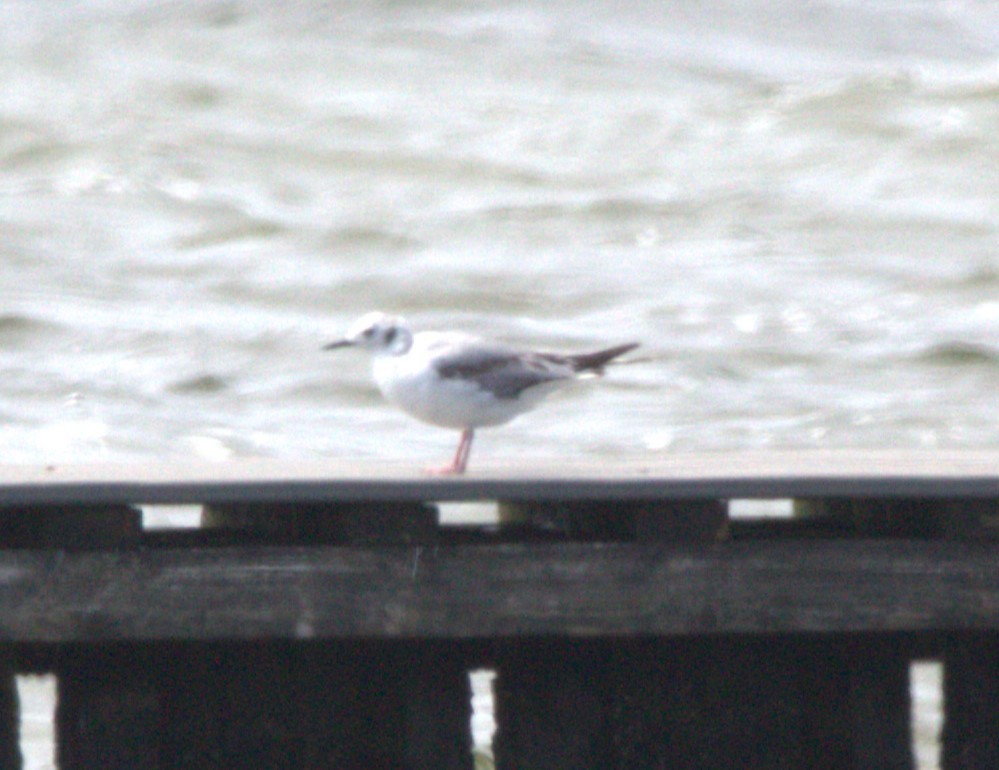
[(794, 206)]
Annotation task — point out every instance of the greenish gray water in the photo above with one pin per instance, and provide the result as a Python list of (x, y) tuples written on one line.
[(798, 220)]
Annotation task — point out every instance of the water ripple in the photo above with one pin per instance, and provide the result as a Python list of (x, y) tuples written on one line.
[(957, 353), (19, 328)]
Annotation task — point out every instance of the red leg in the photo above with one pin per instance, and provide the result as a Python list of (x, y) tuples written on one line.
[(464, 450), (460, 461)]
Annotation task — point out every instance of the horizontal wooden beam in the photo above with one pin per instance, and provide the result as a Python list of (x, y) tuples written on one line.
[(819, 474), (501, 591)]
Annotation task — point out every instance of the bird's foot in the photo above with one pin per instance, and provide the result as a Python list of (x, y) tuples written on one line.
[(447, 470)]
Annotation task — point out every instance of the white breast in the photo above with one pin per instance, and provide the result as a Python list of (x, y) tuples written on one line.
[(411, 382)]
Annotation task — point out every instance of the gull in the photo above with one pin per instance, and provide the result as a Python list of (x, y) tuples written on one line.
[(459, 381)]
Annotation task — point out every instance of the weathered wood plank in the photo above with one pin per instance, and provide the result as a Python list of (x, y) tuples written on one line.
[(958, 474), (499, 591)]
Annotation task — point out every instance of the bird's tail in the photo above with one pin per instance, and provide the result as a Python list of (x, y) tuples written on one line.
[(596, 361)]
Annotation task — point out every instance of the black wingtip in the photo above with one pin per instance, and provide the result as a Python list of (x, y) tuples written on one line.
[(596, 361)]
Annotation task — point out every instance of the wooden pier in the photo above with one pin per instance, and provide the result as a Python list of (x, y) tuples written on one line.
[(322, 617)]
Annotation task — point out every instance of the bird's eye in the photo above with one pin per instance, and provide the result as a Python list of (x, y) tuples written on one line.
[(390, 335), (368, 333)]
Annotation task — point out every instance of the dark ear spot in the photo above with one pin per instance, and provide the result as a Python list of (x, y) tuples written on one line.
[(390, 335), (368, 333)]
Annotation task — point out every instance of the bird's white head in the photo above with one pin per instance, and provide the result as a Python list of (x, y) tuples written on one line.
[(377, 332)]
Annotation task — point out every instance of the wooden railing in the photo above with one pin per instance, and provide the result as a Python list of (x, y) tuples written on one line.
[(321, 616)]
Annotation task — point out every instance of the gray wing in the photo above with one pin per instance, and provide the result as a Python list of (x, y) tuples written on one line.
[(503, 371)]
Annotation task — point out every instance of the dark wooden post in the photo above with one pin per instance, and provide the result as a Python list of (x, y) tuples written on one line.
[(262, 704), (879, 705), (11, 525), (552, 706), (318, 705), (710, 703), (854, 702), (108, 712), (279, 705), (971, 701), (437, 707), (971, 660), (10, 752)]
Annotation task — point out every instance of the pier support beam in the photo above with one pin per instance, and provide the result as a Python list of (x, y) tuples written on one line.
[(552, 707), (10, 752), (107, 717), (971, 701)]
